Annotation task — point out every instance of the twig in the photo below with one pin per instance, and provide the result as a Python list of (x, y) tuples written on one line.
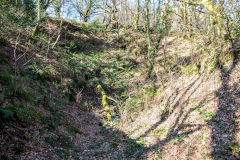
[(22, 55), (112, 99), (49, 43), (59, 35), (14, 54), (27, 62), (71, 115)]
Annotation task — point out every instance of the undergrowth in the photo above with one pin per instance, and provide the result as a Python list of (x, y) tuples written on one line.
[(54, 78)]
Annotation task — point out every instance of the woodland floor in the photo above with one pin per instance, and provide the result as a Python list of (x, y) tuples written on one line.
[(196, 116)]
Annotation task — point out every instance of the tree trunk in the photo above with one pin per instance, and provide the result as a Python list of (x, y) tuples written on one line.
[(36, 29), (150, 64), (113, 14), (137, 16), (104, 14)]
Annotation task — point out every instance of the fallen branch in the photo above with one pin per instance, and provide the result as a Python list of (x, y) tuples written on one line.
[(104, 102)]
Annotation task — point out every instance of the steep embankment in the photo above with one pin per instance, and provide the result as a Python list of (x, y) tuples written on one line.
[(196, 115), (51, 107)]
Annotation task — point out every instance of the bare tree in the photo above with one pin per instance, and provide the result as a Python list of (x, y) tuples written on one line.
[(85, 8), (138, 14)]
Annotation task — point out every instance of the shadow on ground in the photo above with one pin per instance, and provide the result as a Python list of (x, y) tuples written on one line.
[(224, 124)]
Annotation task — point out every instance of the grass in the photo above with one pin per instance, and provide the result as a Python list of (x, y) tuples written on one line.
[(158, 132), (30, 114), (158, 152), (60, 141), (179, 139), (169, 132), (171, 108), (158, 92), (73, 130), (96, 145), (207, 116), (133, 149), (47, 72), (134, 104), (192, 102), (204, 138), (18, 110), (59, 102), (235, 149), (190, 69), (15, 87)]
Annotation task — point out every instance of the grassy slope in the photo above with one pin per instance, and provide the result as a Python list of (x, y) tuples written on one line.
[(53, 99)]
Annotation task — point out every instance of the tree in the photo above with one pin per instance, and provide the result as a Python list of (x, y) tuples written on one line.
[(85, 8), (137, 16), (147, 24), (109, 7), (214, 9), (113, 13), (29, 8), (42, 6), (58, 5), (36, 29)]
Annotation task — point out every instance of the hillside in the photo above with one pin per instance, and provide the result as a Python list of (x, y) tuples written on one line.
[(96, 95)]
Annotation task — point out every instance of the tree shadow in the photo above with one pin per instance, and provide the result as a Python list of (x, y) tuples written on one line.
[(180, 127), (180, 124), (223, 124), (178, 103)]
